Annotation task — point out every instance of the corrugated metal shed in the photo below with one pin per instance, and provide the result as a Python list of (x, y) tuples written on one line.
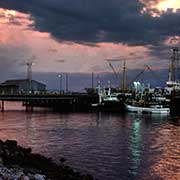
[(16, 86)]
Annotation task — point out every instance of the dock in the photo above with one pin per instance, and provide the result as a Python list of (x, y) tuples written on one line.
[(57, 102)]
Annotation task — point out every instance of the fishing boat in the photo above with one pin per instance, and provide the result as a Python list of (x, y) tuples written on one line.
[(147, 100), (155, 109), (112, 102), (109, 99)]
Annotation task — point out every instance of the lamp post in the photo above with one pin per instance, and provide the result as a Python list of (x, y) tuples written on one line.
[(60, 83), (29, 75), (67, 82)]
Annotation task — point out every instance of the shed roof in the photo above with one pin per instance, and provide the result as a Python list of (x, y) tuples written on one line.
[(16, 82)]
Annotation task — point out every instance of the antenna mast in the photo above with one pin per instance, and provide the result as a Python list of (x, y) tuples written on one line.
[(174, 60), (29, 75), (124, 77), (29, 71)]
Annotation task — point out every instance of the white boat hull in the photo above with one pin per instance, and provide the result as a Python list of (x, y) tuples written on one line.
[(154, 110)]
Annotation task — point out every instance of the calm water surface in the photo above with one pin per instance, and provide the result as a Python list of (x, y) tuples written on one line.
[(106, 145)]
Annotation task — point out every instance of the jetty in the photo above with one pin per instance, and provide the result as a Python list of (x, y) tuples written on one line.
[(58, 102)]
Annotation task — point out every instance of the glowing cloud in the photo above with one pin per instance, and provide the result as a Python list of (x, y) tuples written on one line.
[(157, 7), (173, 41), (6, 15), (14, 17), (164, 5)]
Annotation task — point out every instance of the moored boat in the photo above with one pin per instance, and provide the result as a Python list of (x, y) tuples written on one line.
[(147, 100), (112, 102), (155, 109)]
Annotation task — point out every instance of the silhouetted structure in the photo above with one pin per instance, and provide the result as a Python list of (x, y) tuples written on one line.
[(20, 86)]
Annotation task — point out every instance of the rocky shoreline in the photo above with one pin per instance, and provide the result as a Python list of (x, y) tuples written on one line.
[(18, 163)]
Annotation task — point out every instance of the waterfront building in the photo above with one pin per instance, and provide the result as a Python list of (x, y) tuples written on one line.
[(20, 86)]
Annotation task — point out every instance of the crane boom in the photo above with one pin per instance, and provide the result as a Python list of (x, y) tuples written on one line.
[(147, 68), (154, 74), (114, 71), (116, 74)]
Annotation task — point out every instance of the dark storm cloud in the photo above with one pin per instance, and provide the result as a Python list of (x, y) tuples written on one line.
[(92, 21)]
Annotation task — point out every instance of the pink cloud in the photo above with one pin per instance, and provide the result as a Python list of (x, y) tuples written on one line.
[(15, 32)]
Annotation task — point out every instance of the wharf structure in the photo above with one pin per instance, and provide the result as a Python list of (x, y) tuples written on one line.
[(173, 84), (33, 94), (21, 86), (57, 102)]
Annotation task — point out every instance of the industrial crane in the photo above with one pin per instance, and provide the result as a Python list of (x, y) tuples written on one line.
[(147, 68), (114, 71), (118, 76)]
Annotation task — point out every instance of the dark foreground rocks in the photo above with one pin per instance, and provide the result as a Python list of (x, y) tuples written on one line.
[(19, 163)]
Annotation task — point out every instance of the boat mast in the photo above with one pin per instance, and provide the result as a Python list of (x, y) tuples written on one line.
[(124, 77), (109, 88), (174, 59), (178, 64)]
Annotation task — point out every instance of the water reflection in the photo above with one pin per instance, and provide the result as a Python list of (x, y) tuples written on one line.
[(168, 164), (109, 146), (135, 146)]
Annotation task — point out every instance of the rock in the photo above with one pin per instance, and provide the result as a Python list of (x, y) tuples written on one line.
[(39, 177), (31, 176), (24, 165), (18, 173), (12, 178), (1, 143), (62, 160), (23, 177), (11, 143), (6, 175)]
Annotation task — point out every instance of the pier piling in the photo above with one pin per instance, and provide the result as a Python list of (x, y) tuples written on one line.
[(2, 106)]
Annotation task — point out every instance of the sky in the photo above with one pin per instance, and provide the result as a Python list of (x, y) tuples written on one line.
[(79, 36)]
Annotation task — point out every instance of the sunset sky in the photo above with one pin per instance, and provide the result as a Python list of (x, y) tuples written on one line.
[(77, 36)]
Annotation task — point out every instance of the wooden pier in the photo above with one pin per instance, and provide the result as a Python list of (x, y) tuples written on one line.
[(57, 102)]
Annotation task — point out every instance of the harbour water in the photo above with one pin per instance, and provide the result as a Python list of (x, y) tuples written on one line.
[(110, 146)]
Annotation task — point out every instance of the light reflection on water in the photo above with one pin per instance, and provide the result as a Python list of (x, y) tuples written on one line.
[(135, 145), (107, 145)]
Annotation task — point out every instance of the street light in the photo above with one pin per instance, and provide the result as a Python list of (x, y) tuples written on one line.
[(60, 83), (29, 75)]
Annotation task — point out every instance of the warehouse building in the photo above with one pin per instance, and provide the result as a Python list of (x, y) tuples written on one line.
[(21, 86)]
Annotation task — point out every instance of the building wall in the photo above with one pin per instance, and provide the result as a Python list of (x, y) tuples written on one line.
[(38, 86), (22, 87), (9, 90), (34, 86)]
